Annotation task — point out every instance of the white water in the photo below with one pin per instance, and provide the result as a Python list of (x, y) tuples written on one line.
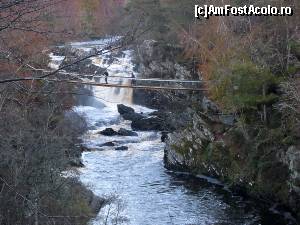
[(55, 61)]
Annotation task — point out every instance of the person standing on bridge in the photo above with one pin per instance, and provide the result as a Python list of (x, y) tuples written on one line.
[(132, 79), (106, 76)]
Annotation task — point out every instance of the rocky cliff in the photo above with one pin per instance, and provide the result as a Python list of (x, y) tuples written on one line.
[(154, 59), (249, 165)]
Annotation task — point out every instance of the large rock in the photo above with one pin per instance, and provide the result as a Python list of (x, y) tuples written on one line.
[(156, 59), (121, 148), (125, 132), (128, 113), (183, 146), (107, 144), (133, 116), (147, 124), (123, 109), (139, 121), (108, 132)]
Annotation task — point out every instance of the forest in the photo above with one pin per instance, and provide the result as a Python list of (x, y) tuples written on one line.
[(248, 65)]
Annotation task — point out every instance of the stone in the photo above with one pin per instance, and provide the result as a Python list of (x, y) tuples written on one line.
[(125, 132), (107, 144), (128, 113), (108, 132), (123, 109), (121, 148), (147, 124), (133, 116), (164, 136)]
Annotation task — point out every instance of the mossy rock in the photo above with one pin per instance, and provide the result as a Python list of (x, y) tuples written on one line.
[(184, 148)]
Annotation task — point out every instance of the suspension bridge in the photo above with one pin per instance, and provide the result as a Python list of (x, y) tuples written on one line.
[(132, 82)]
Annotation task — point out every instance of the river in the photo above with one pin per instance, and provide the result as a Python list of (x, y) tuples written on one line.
[(141, 190)]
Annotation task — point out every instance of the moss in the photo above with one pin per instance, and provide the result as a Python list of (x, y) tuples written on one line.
[(184, 148)]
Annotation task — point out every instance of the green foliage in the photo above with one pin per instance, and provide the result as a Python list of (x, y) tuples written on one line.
[(246, 87)]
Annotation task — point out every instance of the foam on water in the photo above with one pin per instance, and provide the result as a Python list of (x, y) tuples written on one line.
[(95, 43), (55, 61)]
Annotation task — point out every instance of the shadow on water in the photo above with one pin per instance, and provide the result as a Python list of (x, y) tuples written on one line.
[(239, 206), (86, 98)]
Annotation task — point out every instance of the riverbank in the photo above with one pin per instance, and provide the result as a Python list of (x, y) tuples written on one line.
[(211, 143)]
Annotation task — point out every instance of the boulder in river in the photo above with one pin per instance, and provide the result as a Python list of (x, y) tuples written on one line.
[(121, 148), (123, 109), (133, 116), (108, 132), (125, 132), (128, 113), (147, 124), (164, 136), (107, 144)]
